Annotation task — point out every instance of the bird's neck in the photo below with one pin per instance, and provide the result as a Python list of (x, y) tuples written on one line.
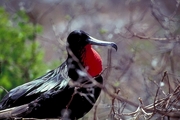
[(91, 61)]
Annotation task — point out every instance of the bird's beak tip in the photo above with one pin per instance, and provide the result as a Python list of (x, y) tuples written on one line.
[(114, 46)]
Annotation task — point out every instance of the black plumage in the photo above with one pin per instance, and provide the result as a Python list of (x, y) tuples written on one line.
[(66, 89)]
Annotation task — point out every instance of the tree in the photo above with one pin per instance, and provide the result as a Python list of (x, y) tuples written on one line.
[(21, 58)]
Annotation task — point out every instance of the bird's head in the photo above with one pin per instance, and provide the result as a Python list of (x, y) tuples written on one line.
[(79, 45)]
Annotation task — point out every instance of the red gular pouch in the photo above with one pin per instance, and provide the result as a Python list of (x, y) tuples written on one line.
[(92, 61)]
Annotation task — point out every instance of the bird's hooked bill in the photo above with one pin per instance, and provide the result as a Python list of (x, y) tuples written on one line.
[(95, 41)]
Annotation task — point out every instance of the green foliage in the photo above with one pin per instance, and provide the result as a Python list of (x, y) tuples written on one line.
[(21, 59), (103, 31)]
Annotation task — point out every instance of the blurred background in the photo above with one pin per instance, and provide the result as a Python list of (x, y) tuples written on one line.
[(145, 68)]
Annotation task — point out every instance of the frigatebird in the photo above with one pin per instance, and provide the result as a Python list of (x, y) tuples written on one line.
[(67, 91)]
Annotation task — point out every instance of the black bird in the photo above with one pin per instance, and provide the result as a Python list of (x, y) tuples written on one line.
[(66, 89)]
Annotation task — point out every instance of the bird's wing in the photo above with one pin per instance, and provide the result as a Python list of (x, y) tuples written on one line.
[(56, 79)]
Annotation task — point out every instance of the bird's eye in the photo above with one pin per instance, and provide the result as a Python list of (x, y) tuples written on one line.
[(79, 40)]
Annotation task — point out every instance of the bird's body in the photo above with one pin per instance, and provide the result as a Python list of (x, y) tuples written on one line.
[(66, 89)]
